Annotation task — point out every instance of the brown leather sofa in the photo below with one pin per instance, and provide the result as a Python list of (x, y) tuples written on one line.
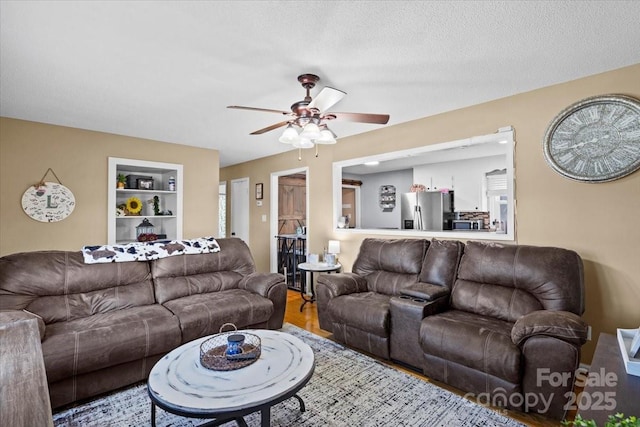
[(501, 322), (104, 326)]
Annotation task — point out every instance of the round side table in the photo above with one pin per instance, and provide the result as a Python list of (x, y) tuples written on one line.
[(319, 267)]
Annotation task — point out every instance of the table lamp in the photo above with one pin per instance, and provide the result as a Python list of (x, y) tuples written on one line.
[(333, 249)]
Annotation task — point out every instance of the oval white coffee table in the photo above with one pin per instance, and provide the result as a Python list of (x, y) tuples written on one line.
[(179, 384)]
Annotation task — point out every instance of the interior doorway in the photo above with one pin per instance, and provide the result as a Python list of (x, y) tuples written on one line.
[(350, 206), (240, 209), (289, 210), (350, 209)]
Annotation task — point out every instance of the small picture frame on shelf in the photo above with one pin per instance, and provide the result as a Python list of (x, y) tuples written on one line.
[(145, 184), (259, 188)]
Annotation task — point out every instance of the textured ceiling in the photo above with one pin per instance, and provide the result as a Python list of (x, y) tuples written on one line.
[(166, 70)]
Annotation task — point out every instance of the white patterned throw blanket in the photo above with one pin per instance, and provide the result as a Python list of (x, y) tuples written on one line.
[(146, 251)]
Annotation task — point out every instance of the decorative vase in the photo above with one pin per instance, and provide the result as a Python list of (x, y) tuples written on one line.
[(234, 344)]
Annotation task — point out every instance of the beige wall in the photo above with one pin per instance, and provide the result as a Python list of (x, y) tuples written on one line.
[(599, 221), (80, 159)]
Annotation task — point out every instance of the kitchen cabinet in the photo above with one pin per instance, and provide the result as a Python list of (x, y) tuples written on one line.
[(154, 180)]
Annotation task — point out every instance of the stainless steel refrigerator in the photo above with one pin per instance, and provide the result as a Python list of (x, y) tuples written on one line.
[(427, 210)]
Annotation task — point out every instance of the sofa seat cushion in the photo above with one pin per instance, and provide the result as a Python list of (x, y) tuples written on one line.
[(108, 339), (203, 314), (478, 342), (365, 311)]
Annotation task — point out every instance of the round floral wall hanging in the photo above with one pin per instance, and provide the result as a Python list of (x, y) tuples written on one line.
[(48, 202)]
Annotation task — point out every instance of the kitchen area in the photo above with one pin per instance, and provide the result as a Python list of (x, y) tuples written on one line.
[(464, 192), (435, 211)]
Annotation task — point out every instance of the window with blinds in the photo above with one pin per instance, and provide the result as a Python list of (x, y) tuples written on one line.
[(496, 182)]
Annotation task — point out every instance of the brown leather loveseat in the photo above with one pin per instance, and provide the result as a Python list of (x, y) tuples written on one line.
[(501, 322), (103, 326)]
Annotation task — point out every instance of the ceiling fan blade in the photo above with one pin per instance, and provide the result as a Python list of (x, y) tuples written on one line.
[(267, 110), (327, 98), (380, 119), (269, 128)]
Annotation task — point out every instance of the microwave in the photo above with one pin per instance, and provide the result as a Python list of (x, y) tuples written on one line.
[(467, 224), (461, 224)]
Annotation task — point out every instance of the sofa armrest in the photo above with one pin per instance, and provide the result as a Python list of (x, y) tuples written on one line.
[(342, 283), (563, 325), (426, 291), (260, 283), (330, 286), (9, 316), (550, 342), (271, 286)]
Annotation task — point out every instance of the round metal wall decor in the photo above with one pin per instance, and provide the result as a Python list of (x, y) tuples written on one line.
[(50, 202), (596, 139)]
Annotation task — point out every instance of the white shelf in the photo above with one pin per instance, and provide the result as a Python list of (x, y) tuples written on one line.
[(141, 217), (124, 231), (138, 191)]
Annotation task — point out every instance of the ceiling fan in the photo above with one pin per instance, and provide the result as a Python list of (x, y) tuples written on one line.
[(311, 116)]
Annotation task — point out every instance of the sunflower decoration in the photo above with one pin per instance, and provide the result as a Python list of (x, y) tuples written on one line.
[(134, 205)]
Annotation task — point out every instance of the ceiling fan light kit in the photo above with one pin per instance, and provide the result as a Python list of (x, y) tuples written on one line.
[(310, 115)]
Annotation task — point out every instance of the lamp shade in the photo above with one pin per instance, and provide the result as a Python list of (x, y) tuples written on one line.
[(289, 136), (303, 142), (334, 247), (310, 131), (326, 137)]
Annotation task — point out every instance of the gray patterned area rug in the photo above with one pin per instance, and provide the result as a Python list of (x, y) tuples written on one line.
[(347, 389)]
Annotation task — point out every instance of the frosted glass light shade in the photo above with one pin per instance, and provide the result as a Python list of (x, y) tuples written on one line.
[(326, 137), (289, 136), (334, 247), (303, 143), (310, 131)]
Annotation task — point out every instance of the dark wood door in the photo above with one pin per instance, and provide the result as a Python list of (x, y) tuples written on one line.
[(349, 205), (292, 203)]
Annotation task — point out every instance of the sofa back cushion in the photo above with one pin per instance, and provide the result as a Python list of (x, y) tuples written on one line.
[(58, 286), (509, 281), (176, 277), (389, 265), (441, 262)]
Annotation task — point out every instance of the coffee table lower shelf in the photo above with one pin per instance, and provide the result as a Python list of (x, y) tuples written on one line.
[(265, 413)]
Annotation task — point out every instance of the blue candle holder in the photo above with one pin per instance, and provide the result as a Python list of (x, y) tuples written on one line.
[(234, 344)]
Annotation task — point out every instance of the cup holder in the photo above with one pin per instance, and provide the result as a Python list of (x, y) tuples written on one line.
[(418, 300)]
